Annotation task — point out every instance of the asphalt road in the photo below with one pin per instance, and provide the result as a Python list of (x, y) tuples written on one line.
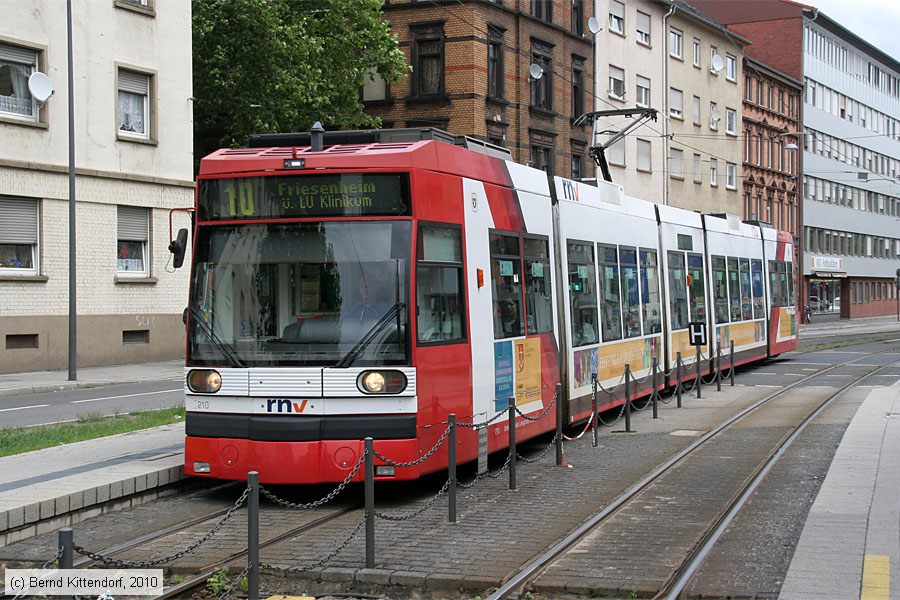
[(55, 407)]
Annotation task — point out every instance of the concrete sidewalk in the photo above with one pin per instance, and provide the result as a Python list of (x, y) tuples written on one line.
[(831, 328), (14, 384)]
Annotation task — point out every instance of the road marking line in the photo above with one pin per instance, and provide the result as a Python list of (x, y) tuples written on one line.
[(23, 407), (876, 578), (124, 396)]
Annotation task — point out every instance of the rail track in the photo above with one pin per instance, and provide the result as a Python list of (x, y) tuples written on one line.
[(521, 581)]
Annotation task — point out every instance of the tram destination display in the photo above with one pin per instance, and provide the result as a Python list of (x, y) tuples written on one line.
[(300, 196)]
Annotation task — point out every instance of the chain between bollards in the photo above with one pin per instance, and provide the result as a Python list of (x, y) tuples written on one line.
[(370, 502), (559, 418), (253, 536), (451, 466), (678, 379), (628, 398), (512, 442), (731, 375), (698, 381), (595, 442), (718, 366), (655, 392)]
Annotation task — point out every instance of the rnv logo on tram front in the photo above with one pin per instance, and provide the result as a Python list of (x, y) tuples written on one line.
[(283, 405)]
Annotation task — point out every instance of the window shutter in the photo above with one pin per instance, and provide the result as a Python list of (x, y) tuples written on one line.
[(133, 223), (643, 22), (18, 221), (17, 54), (617, 9), (136, 83)]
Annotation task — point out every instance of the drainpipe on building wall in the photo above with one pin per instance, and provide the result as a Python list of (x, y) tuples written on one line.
[(665, 111), (802, 281)]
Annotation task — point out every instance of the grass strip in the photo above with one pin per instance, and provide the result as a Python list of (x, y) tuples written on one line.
[(15, 440), (844, 342)]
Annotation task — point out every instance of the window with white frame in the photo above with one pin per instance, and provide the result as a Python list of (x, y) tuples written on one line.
[(643, 91), (132, 241), (676, 103), (695, 110), (730, 121), (616, 83), (617, 17), (696, 54), (644, 161), (731, 176), (676, 43), (676, 163), (17, 63), (730, 67), (642, 28), (134, 104), (714, 115), (698, 177), (713, 172), (19, 236)]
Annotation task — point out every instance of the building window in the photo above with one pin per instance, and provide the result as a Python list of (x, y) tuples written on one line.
[(642, 87), (676, 163), (676, 100), (577, 87), (542, 9), (542, 89), (642, 28), (134, 104), (676, 43), (730, 67), (644, 161), (374, 86), (495, 63), (428, 61), (132, 240), (698, 177), (439, 295), (731, 176), (730, 121), (616, 17), (714, 116), (713, 172), (577, 165), (616, 83), (19, 236), (696, 54), (713, 53), (541, 154), (578, 17), (695, 110), (16, 66)]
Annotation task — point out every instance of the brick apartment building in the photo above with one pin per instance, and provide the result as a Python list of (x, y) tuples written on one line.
[(471, 61)]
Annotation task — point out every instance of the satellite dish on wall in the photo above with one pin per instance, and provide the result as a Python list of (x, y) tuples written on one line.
[(594, 25), (40, 86), (715, 116), (717, 63), (535, 71)]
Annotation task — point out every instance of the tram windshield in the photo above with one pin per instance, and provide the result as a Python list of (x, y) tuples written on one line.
[(301, 294)]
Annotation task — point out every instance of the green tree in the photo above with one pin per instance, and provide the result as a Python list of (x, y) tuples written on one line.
[(263, 66)]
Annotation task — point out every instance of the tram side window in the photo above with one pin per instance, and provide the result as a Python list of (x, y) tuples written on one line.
[(650, 292), (698, 288), (582, 293), (734, 289), (631, 293), (538, 303), (610, 302), (746, 293), (720, 289), (678, 286), (759, 305), (439, 296), (506, 285), (789, 296), (774, 284)]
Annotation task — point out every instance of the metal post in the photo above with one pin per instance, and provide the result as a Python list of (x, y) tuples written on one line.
[(595, 442), (678, 379), (653, 393), (253, 536), (559, 418), (370, 503), (73, 308), (67, 542), (732, 362), (451, 463), (718, 366), (512, 442), (698, 381), (628, 398)]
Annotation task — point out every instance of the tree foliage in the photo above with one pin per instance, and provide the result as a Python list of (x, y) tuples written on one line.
[(263, 66)]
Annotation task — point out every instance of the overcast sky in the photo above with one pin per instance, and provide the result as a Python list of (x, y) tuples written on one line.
[(873, 20)]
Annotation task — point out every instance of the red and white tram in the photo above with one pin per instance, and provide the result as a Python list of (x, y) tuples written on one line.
[(376, 285)]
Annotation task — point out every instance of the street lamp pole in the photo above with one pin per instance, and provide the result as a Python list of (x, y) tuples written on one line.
[(73, 339)]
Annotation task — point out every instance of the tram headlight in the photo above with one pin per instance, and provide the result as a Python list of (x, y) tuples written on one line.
[(381, 382), (204, 381)]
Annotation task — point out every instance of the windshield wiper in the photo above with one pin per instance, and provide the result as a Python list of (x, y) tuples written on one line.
[(222, 346), (354, 353)]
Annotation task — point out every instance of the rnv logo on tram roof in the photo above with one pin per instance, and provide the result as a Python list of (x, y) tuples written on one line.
[(283, 405)]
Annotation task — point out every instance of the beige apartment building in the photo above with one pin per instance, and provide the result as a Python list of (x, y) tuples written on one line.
[(133, 137), (660, 54)]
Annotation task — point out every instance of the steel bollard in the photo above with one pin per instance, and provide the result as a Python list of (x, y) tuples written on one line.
[(253, 536), (512, 442), (731, 375), (67, 543), (559, 419), (653, 394), (698, 381), (595, 441), (370, 503), (678, 379), (451, 466), (628, 398), (718, 366)]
